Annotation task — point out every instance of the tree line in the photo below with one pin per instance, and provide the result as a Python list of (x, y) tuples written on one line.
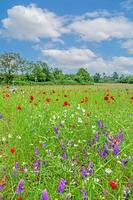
[(16, 70)]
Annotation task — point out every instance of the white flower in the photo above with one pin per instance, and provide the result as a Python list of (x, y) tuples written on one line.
[(108, 171), (80, 120), (19, 137), (3, 139), (83, 110), (96, 180)]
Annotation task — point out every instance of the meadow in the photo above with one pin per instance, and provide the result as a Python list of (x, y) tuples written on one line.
[(66, 142)]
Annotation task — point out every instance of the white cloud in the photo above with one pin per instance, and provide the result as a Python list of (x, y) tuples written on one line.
[(128, 45), (101, 28), (127, 4), (32, 23), (73, 58)]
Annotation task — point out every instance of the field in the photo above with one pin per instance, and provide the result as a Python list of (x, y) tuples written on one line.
[(66, 142)]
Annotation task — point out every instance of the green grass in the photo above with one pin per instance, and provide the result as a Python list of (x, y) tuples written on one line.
[(34, 124)]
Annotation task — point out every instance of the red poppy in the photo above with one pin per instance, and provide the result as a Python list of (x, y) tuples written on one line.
[(31, 98), (131, 98), (12, 150), (116, 141), (106, 98), (113, 184), (66, 103), (19, 198), (7, 95), (48, 100), (19, 108)]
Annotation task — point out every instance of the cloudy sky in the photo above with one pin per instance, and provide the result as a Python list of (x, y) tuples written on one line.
[(95, 34)]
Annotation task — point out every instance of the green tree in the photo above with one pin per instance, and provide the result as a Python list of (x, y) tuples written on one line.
[(57, 73), (97, 77), (38, 74), (46, 70), (82, 75), (9, 65)]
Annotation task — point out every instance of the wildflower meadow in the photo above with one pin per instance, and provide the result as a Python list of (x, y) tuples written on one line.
[(66, 142)]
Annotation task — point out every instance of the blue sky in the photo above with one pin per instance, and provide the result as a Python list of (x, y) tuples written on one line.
[(95, 34)]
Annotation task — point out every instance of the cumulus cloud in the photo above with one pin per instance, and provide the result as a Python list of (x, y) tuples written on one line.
[(128, 45), (73, 58), (100, 29), (32, 23), (127, 4)]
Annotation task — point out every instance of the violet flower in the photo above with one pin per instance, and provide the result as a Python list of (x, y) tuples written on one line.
[(90, 168), (62, 185), (20, 186), (116, 150), (84, 194), (44, 195), (100, 124), (83, 172)]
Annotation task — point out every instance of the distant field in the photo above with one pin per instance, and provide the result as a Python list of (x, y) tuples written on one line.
[(66, 142)]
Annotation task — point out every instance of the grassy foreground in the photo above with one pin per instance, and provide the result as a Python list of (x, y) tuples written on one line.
[(66, 142)]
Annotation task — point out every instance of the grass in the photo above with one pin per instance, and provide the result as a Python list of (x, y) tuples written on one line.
[(45, 124)]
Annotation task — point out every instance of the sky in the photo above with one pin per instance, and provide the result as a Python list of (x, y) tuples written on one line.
[(68, 34)]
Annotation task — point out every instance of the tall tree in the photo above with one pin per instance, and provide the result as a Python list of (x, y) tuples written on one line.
[(82, 75), (9, 65)]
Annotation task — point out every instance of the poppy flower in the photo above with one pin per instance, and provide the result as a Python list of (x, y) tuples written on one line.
[(31, 99), (19, 108), (12, 150), (19, 198), (113, 184), (106, 98), (7, 95), (48, 100), (66, 103)]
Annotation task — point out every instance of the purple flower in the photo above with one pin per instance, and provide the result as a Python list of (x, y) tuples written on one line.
[(127, 192), (20, 186), (16, 165), (65, 156), (100, 124), (83, 172), (36, 166), (1, 187), (62, 185), (36, 151), (105, 152), (56, 130), (84, 194), (62, 145), (44, 145), (125, 161), (90, 168), (121, 135), (45, 195), (99, 150), (116, 150), (97, 136)]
